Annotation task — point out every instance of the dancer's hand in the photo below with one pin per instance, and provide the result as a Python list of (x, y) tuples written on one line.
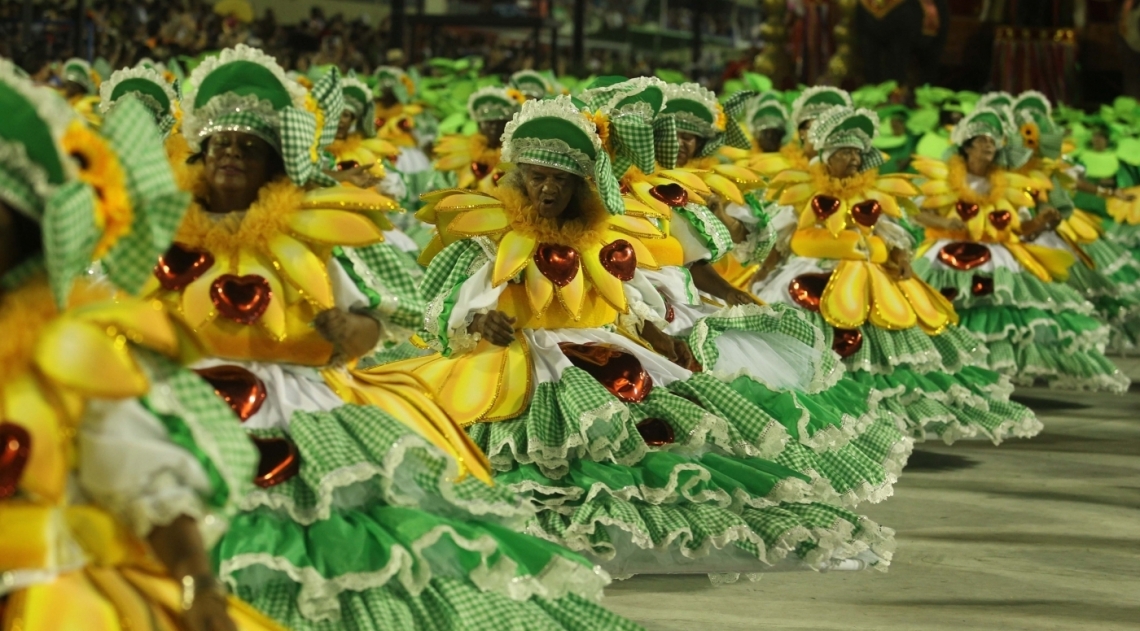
[(494, 326), (736, 297), (360, 176), (351, 334), (898, 263)]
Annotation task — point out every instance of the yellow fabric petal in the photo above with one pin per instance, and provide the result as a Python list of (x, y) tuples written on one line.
[(724, 187), (791, 177), (641, 191), (1056, 262), (769, 163), (607, 285), (739, 175), (931, 168), (68, 601), (935, 187), (846, 299), (515, 251), (453, 162), (896, 185), (464, 200), (939, 201), (484, 221), (837, 222), (933, 316), (83, 356), (334, 227), (889, 307), (348, 197), (977, 225), (539, 289), (26, 404), (1029, 261), (143, 323), (634, 206), (796, 194), (573, 295), (304, 269), (688, 179), (636, 226), (434, 247), (887, 201), (197, 307)]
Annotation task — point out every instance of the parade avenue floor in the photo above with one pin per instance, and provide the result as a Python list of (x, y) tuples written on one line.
[(1033, 535)]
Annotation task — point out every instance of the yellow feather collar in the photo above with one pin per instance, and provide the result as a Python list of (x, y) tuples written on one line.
[(846, 188), (579, 233), (228, 235), (956, 178)]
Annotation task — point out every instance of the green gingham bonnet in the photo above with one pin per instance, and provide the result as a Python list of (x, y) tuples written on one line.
[(636, 129), (392, 78), (996, 124), (1034, 107), (814, 101), (38, 179), (765, 111), (79, 71), (696, 111), (491, 103), (149, 86), (532, 84), (359, 100), (846, 127), (554, 133), (244, 90)]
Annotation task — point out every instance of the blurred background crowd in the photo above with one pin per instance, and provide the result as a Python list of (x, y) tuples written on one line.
[(1076, 51)]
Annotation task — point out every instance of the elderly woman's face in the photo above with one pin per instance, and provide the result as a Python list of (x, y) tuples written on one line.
[(347, 118), (690, 147), (770, 139), (238, 163), (844, 162), (549, 190)]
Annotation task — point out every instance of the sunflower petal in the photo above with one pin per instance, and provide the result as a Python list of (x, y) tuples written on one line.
[(771, 163), (303, 269), (933, 169), (197, 306), (466, 201), (688, 179), (634, 206), (737, 174), (796, 194), (724, 187), (846, 300), (636, 226), (334, 227), (81, 355), (346, 197), (573, 295), (26, 404), (608, 286), (143, 323), (515, 251), (641, 191), (539, 289), (887, 201), (895, 185), (480, 222), (889, 307), (932, 315)]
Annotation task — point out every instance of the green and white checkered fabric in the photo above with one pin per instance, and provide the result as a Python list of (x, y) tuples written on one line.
[(330, 99), (631, 138), (247, 122), (158, 203), (70, 235), (17, 192), (299, 144), (665, 143), (553, 159), (392, 285), (713, 233)]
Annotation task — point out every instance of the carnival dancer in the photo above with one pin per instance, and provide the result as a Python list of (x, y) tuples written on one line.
[(980, 252), (374, 511), (118, 468), (472, 161), (549, 351)]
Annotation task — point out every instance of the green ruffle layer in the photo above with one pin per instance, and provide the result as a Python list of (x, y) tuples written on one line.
[(577, 452), (1014, 289), (445, 604), (936, 385), (1113, 287), (375, 508)]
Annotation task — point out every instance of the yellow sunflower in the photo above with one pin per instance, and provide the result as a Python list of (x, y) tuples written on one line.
[(99, 167)]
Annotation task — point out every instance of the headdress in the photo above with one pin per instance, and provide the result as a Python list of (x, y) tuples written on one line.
[(79, 71), (533, 84), (396, 80), (149, 86), (766, 112), (359, 100), (816, 100), (697, 111), (107, 196), (844, 127), (1034, 116), (243, 89), (493, 103), (995, 124), (554, 133), (629, 109)]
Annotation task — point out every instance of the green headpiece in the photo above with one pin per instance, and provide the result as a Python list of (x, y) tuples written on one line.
[(358, 100), (79, 71), (845, 127), (996, 124), (697, 111), (872, 96), (636, 131), (932, 96), (242, 89), (107, 196), (493, 103), (396, 80), (149, 86), (554, 133), (767, 112), (887, 138), (533, 84), (995, 101), (816, 100)]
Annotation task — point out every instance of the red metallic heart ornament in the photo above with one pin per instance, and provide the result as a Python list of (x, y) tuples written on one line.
[(670, 194), (966, 210), (807, 289), (963, 256), (480, 169), (347, 165), (656, 432), (242, 299), (242, 390), (279, 461), (866, 213), (982, 286), (620, 372), (559, 263), (405, 124), (824, 206), (847, 342), (1001, 219), (15, 449), (619, 259), (180, 266)]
